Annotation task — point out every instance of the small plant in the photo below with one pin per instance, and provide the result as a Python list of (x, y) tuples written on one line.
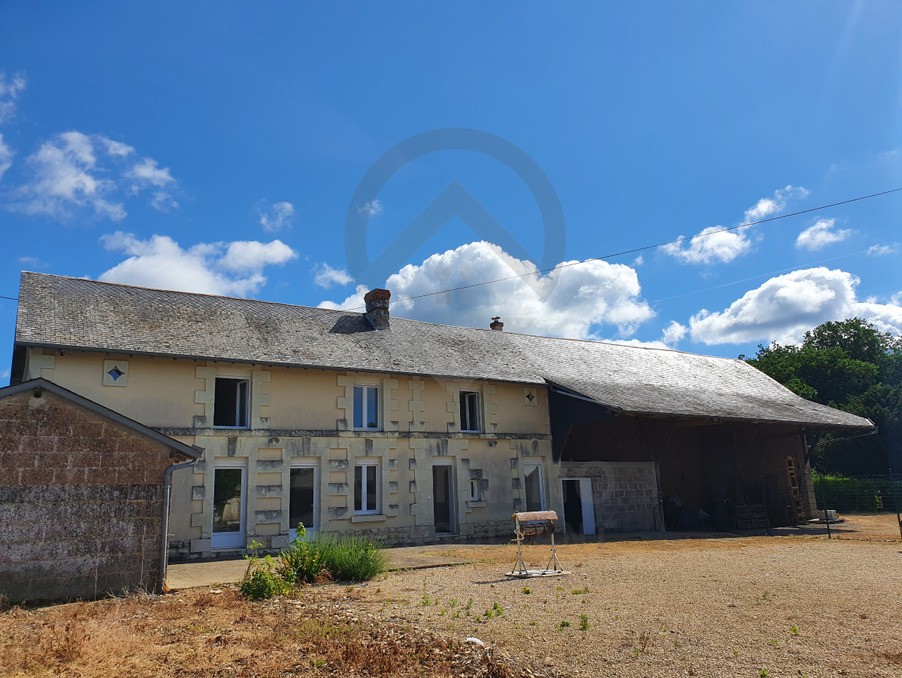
[(773, 642), (526, 590), (495, 611), (583, 622), (425, 601), (452, 602), (763, 673), (302, 562), (350, 557), (735, 653), (563, 625), (794, 630), (262, 583), (580, 592)]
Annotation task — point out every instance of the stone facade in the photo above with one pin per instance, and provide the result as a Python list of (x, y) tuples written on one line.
[(624, 494), (81, 501)]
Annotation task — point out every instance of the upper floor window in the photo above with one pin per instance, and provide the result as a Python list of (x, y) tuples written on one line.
[(366, 408), (230, 404), (469, 411)]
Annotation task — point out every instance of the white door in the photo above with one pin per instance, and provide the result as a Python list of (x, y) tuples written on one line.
[(229, 507), (302, 500), (579, 514)]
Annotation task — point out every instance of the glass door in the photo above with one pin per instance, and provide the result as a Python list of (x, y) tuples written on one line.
[(302, 500), (228, 507)]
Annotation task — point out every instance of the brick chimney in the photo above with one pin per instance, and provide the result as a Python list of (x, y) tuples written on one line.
[(377, 308), (497, 325)]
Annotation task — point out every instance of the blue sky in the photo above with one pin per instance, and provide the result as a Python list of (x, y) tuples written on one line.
[(228, 148)]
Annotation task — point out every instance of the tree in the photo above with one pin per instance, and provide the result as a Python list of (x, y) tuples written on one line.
[(852, 366)]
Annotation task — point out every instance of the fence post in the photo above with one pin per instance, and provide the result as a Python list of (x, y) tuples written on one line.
[(825, 494), (895, 490)]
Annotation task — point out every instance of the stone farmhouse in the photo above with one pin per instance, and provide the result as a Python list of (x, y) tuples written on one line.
[(416, 432)]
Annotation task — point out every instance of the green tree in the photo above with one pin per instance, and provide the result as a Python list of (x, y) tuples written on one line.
[(852, 366)]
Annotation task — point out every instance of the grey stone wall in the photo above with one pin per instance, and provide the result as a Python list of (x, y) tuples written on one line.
[(80, 502), (624, 494)]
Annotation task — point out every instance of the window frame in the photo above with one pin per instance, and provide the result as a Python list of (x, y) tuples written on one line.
[(241, 408), (475, 489), (364, 410), (360, 491), (467, 395)]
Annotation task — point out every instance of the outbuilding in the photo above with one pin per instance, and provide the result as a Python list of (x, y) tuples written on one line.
[(83, 496)]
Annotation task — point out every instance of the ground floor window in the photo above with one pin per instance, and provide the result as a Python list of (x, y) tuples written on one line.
[(366, 488), (302, 499)]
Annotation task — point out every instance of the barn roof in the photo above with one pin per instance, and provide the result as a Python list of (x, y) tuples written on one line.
[(72, 313)]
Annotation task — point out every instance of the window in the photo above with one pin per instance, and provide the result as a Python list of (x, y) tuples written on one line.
[(366, 488), (366, 408), (535, 489), (475, 489), (230, 403), (469, 411)]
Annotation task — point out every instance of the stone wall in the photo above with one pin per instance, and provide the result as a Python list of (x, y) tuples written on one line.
[(624, 494), (81, 502)]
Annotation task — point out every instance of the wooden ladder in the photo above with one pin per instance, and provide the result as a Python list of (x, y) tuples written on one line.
[(794, 488)]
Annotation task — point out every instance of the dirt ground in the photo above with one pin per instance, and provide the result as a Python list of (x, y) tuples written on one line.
[(758, 606)]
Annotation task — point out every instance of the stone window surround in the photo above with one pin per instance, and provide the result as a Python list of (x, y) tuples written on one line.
[(361, 491)]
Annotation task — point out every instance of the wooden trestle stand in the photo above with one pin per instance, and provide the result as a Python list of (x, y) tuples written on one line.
[(531, 524)]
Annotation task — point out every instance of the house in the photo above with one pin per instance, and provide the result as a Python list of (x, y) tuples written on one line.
[(413, 431), (83, 496)]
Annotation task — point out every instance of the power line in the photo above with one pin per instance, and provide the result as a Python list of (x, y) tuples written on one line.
[(10, 298), (644, 248)]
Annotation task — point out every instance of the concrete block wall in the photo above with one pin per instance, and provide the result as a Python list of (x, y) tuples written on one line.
[(625, 494), (81, 502)]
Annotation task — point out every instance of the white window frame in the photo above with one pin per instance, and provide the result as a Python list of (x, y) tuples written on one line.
[(469, 426), (361, 491), (364, 410), (542, 501), (237, 539), (238, 404)]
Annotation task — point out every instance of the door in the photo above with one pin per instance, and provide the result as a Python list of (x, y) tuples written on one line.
[(443, 498), (302, 500), (579, 514), (228, 507)]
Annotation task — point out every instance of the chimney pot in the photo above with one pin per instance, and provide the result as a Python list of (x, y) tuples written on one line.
[(496, 324), (377, 308)]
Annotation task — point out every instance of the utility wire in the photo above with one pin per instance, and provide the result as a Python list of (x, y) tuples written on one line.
[(644, 248), (10, 298)]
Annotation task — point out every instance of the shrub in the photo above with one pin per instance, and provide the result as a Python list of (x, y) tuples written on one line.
[(302, 562), (261, 584), (350, 557)]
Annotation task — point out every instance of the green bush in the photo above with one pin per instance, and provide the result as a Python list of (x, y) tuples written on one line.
[(857, 495), (262, 583), (350, 557), (302, 562)]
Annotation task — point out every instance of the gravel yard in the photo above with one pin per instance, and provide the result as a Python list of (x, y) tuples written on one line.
[(758, 606)]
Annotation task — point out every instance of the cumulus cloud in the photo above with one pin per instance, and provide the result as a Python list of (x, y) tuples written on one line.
[(74, 172), (275, 217), (234, 268), (10, 89), (784, 307), (6, 157), (574, 300), (821, 234), (326, 276), (673, 333), (371, 208), (714, 244)]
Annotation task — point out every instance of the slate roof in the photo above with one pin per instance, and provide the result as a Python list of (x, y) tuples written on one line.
[(74, 313)]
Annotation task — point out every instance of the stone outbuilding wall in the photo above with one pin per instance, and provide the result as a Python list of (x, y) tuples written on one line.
[(81, 496)]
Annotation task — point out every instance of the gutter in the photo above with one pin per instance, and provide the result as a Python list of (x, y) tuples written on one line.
[(167, 501)]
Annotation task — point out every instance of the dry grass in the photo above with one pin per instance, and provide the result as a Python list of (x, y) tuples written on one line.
[(706, 607), (791, 606)]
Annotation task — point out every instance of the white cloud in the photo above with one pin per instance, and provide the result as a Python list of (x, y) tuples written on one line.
[(211, 268), (784, 307), (371, 208), (714, 244), (73, 171), (275, 217), (881, 250), (571, 301), (821, 234), (673, 333), (10, 89), (6, 157), (767, 207), (326, 276)]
